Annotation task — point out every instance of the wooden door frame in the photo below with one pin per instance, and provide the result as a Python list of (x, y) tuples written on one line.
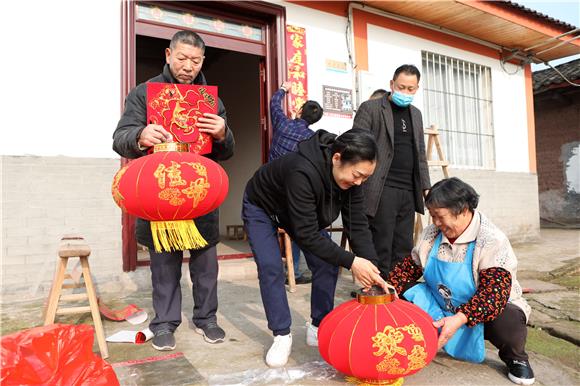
[(273, 19)]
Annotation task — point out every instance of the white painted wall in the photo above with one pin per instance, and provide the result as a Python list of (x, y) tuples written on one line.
[(66, 54), (61, 83), (76, 63), (388, 49), (325, 39)]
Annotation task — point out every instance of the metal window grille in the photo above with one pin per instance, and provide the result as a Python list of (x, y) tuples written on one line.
[(457, 97)]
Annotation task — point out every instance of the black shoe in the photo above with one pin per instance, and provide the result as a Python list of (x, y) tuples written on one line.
[(520, 372), (164, 341), (304, 280), (212, 333), (301, 280)]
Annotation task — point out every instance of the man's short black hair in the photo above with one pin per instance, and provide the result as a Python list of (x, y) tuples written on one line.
[(378, 93), (408, 69), (311, 112), (187, 37)]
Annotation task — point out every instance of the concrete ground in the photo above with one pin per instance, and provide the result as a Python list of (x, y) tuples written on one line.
[(549, 271)]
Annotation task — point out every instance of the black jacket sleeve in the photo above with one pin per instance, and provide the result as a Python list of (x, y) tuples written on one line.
[(356, 225), (131, 124), (363, 118), (304, 223), (225, 149), (423, 165)]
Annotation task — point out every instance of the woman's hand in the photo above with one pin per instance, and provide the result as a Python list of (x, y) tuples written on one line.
[(367, 274), (449, 326)]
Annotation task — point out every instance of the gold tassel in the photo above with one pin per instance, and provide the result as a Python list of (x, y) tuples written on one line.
[(176, 235)]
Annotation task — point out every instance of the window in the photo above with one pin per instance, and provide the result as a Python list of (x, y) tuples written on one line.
[(458, 100)]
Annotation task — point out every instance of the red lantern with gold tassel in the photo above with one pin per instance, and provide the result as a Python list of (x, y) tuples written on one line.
[(377, 339), (170, 188)]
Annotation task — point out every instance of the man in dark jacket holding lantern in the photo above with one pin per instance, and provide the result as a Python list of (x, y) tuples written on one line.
[(132, 139)]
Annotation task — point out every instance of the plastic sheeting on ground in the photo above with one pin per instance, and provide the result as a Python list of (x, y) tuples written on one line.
[(57, 354)]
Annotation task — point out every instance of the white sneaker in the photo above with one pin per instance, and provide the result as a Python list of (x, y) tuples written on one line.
[(279, 351), (312, 335)]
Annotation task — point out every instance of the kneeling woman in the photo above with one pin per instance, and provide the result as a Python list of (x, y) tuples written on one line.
[(303, 193), (470, 288)]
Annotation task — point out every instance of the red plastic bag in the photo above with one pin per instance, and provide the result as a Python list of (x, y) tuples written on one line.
[(57, 354)]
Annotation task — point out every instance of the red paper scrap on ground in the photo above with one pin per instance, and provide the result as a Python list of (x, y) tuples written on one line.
[(118, 315)]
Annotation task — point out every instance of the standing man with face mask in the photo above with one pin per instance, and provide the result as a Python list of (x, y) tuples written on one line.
[(395, 191), (132, 138)]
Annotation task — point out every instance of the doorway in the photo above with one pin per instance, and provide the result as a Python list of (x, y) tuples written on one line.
[(244, 62), (237, 76)]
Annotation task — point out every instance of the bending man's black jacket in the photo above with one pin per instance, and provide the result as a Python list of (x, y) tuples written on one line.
[(299, 193), (129, 128)]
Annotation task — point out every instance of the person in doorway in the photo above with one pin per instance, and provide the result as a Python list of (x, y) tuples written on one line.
[(132, 138), (303, 192), (470, 287), (395, 192), (287, 133)]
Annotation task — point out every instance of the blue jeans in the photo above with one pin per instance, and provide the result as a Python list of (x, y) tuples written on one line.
[(296, 259), (263, 237)]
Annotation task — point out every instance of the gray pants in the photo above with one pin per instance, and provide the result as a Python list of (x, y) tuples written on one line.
[(166, 276)]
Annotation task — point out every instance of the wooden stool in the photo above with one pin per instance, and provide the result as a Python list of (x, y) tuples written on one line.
[(286, 246), (236, 232), (75, 246)]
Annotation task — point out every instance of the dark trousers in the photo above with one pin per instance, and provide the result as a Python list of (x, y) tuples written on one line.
[(263, 237), (392, 227), (166, 276), (508, 333)]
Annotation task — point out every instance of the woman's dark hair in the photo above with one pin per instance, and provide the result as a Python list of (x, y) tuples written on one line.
[(354, 146), (453, 194)]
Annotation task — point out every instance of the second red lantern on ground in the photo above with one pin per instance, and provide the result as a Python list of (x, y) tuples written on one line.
[(377, 339)]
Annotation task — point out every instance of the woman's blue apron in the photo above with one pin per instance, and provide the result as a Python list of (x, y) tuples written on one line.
[(448, 285)]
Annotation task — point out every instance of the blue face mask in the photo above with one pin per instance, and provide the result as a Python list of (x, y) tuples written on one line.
[(400, 99)]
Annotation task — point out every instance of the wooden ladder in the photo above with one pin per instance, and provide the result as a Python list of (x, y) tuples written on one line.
[(433, 139)]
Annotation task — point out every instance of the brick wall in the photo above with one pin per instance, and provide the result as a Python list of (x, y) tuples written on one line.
[(557, 123), (44, 198), (557, 132)]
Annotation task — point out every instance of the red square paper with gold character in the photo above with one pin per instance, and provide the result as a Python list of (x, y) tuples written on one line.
[(177, 107)]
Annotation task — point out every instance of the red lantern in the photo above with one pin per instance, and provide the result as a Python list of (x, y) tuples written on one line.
[(377, 339), (170, 188)]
